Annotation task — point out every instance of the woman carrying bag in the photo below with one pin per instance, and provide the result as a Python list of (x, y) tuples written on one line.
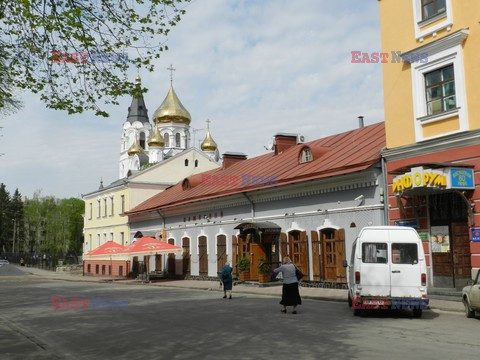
[(290, 293)]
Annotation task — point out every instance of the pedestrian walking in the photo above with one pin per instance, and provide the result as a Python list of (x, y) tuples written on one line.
[(290, 293), (227, 280)]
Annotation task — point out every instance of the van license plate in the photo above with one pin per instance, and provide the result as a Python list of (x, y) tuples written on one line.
[(373, 302)]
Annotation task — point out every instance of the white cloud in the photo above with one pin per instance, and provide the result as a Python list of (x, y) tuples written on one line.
[(254, 68)]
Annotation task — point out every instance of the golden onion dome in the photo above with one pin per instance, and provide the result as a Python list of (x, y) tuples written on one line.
[(171, 110), (208, 143), (156, 139), (135, 148)]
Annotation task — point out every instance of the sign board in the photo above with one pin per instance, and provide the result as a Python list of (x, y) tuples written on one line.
[(442, 178), (476, 234), (409, 223), (423, 236), (462, 178)]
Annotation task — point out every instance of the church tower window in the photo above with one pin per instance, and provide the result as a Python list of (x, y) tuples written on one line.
[(167, 140), (177, 140), (186, 162)]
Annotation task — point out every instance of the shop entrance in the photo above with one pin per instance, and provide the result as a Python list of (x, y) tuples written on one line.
[(449, 240)]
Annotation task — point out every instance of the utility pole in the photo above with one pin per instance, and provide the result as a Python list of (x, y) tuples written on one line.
[(14, 228)]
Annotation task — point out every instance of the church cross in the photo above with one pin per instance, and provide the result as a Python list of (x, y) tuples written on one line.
[(171, 72)]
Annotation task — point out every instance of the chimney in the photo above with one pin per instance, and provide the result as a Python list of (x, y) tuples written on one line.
[(230, 158), (283, 141), (360, 122)]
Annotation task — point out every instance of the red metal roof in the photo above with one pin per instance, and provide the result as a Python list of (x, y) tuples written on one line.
[(334, 155)]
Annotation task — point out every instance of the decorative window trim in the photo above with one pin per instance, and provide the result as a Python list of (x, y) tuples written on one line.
[(419, 23), (441, 53)]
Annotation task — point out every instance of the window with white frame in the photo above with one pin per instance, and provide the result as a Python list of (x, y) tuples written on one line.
[(306, 155), (438, 85), (90, 212), (122, 204), (111, 205), (431, 16), (90, 241), (440, 90), (98, 240), (104, 207), (99, 208), (104, 238), (431, 8), (111, 236), (122, 238)]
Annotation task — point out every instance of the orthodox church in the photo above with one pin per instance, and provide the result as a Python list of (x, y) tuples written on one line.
[(143, 143)]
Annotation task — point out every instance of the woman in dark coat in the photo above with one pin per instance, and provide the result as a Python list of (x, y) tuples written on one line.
[(227, 280), (290, 293)]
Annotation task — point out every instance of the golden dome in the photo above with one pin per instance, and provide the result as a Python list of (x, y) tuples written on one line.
[(171, 110), (208, 144), (135, 148), (156, 139)]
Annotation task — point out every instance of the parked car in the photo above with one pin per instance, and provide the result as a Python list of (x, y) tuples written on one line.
[(471, 297), (4, 262), (387, 270)]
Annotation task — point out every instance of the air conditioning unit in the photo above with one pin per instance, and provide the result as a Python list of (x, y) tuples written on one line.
[(301, 139)]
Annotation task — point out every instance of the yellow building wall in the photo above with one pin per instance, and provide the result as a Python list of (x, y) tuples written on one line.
[(441, 127), (397, 26)]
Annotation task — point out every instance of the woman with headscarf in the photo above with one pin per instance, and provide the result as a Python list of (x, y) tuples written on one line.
[(290, 293), (227, 280)]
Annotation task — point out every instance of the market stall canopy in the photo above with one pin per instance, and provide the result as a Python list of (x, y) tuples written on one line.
[(149, 246), (266, 227), (105, 251)]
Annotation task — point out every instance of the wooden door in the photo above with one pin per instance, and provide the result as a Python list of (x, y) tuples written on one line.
[(171, 259), (221, 252), (333, 254), (316, 257), (340, 256), (158, 263), (283, 244), (234, 254), (298, 246), (202, 255), (461, 250), (256, 252), (186, 256)]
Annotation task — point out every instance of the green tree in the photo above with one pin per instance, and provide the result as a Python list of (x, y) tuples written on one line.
[(33, 31), (5, 219), (16, 211)]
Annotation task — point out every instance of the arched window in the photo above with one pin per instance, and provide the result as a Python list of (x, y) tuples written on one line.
[(306, 155), (186, 162), (167, 139), (196, 163), (177, 140)]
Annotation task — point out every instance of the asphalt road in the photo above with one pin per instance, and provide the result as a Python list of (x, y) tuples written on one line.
[(167, 323)]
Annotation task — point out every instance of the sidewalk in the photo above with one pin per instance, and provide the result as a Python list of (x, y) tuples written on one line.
[(306, 293)]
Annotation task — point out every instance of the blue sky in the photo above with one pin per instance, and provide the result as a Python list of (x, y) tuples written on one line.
[(254, 68)]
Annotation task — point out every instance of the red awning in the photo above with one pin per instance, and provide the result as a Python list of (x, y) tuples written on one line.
[(149, 246), (107, 249)]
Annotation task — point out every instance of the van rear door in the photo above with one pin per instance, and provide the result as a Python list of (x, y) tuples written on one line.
[(406, 273), (375, 268)]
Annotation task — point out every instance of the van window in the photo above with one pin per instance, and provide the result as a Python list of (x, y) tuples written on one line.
[(404, 253), (374, 253)]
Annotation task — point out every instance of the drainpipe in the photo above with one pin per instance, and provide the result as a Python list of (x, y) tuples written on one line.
[(386, 217), (163, 220), (252, 203)]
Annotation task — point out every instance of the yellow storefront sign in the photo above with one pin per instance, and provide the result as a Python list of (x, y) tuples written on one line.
[(419, 177)]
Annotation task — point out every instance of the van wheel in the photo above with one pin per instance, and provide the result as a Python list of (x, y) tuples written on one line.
[(468, 311), (356, 312), (350, 302), (417, 313)]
